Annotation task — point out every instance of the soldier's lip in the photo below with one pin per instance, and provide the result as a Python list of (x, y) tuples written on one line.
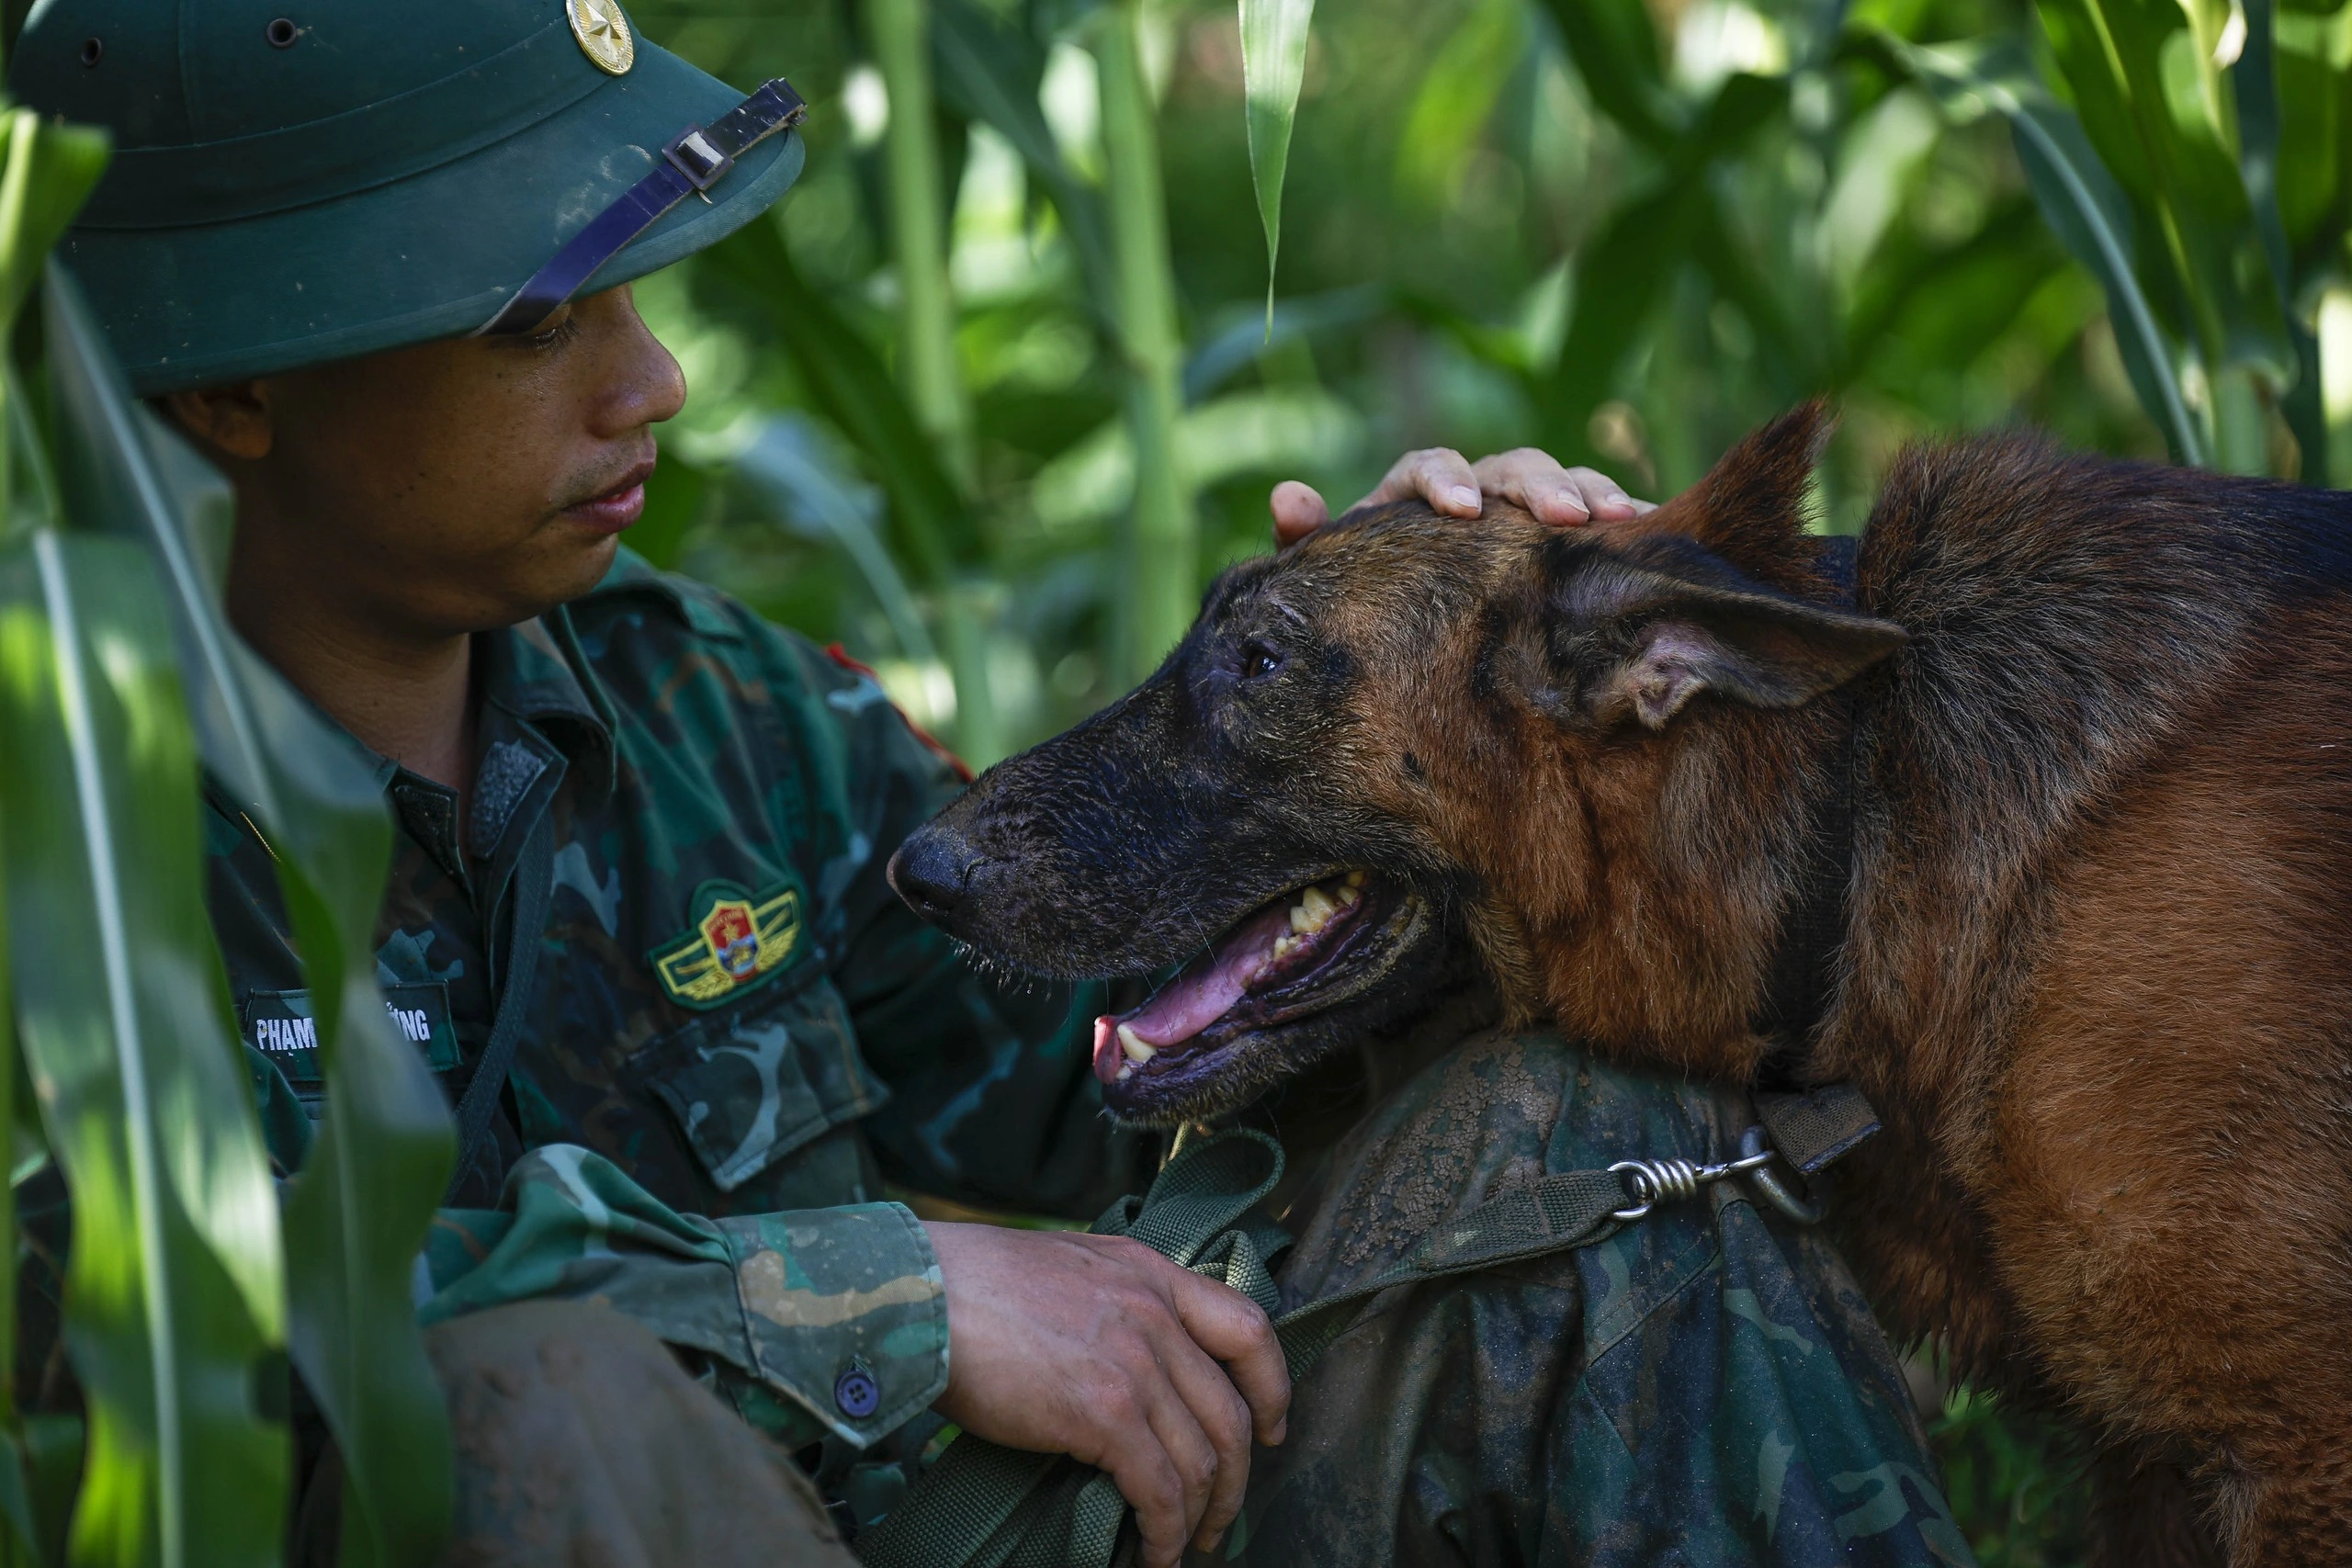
[(610, 511)]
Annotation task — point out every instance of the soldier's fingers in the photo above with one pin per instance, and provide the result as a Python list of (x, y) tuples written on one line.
[(1193, 1449), (1438, 475), (1228, 1326), (1527, 477), (1605, 497), (1298, 509), (1151, 1478), (1217, 1412), (1552, 492)]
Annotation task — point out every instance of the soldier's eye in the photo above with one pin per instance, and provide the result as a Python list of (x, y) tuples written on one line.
[(1259, 661)]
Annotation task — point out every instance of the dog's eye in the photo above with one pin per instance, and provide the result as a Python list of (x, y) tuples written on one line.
[(1258, 661)]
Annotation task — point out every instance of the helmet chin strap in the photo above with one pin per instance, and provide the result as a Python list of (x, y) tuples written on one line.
[(694, 160)]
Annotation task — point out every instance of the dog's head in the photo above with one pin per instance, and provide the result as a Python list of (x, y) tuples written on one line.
[(1403, 734)]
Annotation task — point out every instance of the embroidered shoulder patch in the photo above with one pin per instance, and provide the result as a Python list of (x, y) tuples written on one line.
[(738, 939)]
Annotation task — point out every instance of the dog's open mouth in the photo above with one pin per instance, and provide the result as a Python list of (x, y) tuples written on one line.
[(1305, 954)]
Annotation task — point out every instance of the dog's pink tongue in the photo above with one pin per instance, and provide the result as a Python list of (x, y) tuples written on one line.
[(1202, 993)]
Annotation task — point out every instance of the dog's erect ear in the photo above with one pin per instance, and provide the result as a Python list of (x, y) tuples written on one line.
[(1750, 508), (1636, 633)]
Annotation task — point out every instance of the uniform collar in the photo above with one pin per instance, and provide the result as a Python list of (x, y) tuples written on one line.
[(540, 726), (545, 720), (535, 673)]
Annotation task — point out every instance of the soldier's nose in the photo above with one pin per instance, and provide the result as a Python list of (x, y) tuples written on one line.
[(933, 872)]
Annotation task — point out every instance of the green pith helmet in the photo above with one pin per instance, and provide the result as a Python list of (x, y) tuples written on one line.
[(297, 181)]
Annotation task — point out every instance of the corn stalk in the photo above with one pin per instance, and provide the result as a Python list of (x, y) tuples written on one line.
[(1159, 547)]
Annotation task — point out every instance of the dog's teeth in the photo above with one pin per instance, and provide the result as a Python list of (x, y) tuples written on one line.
[(1300, 924), (1133, 1045), (1319, 907), (1126, 1071), (1347, 895), (1283, 944), (1356, 879)]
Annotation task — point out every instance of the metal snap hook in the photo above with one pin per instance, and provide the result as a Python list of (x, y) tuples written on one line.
[(1803, 1211), (1653, 1182)]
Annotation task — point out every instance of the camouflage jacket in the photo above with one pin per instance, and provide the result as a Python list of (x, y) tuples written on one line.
[(735, 1031), (1706, 1387)]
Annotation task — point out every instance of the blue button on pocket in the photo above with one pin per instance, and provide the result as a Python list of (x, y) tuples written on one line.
[(856, 1392)]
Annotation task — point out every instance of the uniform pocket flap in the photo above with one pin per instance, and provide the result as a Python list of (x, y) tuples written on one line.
[(750, 1084)]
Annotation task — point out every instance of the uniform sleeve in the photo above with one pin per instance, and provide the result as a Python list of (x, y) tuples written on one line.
[(994, 1097), (818, 1321)]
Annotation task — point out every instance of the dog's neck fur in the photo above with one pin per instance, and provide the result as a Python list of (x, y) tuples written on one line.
[(1658, 936)]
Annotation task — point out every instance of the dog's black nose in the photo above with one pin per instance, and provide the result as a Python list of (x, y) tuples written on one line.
[(933, 872)]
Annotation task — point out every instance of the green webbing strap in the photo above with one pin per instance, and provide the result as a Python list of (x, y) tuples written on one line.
[(985, 1506)]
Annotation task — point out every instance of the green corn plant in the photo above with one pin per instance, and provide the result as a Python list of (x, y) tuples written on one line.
[(354, 1215), (2192, 157), (928, 363), (174, 1286), (1160, 548), (901, 31), (194, 1277), (934, 512), (1273, 68)]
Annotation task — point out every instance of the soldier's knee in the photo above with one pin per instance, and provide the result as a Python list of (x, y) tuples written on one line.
[(575, 1428)]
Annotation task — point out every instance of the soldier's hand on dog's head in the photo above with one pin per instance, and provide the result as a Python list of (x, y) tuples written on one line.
[(1098, 1346), (1452, 484)]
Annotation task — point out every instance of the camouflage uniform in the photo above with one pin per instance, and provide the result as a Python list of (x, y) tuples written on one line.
[(732, 1018), (1706, 1387)]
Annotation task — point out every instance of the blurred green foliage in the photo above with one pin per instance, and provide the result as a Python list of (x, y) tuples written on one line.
[(2015, 1481)]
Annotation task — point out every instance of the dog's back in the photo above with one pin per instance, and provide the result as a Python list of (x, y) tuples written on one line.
[(2108, 950)]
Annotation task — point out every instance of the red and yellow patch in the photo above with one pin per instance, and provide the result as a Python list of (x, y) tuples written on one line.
[(738, 939)]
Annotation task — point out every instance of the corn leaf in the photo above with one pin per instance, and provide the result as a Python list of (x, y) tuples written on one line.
[(853, 387), (990, 71), (1274, 64), (1466, 78), (796, 470), (1624, 269), (1614, 46), (2146, 76), (174, 1288), (2079, 199), (356, 1216), (2257, 85), (49, 170)]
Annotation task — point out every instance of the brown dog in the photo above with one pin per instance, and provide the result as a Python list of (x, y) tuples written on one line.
[(2045, 840)]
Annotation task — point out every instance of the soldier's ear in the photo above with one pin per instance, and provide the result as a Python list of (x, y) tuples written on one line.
[(1635, 635), (232, 419)]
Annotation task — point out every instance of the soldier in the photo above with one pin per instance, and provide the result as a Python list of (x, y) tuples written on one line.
[(374, 260)]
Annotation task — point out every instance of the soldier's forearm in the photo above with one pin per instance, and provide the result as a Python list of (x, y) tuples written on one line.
[(837, 1312)]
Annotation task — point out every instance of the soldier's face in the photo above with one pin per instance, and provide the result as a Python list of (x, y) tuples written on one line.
[(452, 487)]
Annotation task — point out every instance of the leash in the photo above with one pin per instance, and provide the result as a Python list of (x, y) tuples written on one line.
[(986, 1507)]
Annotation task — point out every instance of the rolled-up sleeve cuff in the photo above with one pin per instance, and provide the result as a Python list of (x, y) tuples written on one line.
[(844, 1313)]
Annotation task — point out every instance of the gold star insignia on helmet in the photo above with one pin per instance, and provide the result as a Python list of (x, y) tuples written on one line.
[(603, 34)]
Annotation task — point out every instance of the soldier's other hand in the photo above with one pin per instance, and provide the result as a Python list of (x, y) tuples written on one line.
[(1099, 1348), (1454, 485)]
